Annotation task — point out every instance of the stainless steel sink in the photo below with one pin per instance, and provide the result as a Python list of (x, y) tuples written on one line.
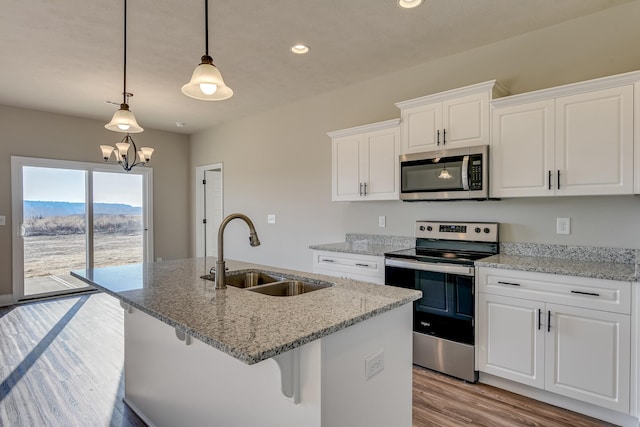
[(247, 279), (288, 288)]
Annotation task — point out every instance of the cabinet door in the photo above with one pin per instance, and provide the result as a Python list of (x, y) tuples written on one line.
[(465, 121), (346, 154), (420, 127), (511, 339), (587, 356), (594, 142), (522, 150), (381, 169)]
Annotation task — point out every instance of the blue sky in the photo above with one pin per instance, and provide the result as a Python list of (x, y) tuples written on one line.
[(68, 185)]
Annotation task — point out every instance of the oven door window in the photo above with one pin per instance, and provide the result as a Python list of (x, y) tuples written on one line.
[(445, 294), (429, 175)]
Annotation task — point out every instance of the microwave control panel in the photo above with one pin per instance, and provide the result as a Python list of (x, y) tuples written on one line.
[(475, 172)]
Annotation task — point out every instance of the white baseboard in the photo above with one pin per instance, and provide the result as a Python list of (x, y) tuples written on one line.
[(617, 418), (6, 300)]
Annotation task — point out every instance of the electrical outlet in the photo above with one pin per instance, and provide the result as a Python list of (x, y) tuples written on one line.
[(374, 364), (3, 220), (563, 225), (382, 221), (271, 219)]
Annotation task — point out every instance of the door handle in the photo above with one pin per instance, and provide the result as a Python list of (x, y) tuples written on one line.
[(365, 188), (360, 189), (549, 321), (539, 319), (558, 183), (549, 180), (438, 136), (23, 230), (444, 136)]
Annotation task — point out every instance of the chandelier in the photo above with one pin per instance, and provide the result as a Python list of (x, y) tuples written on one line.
[(126, 153)]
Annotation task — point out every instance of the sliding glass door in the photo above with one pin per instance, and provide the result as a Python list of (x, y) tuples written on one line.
[(72, 215)]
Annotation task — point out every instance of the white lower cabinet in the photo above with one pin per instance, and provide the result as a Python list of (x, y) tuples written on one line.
[(566, 335), (366, 268)]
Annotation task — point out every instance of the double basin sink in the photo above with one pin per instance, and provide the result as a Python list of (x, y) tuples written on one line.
[(268, 283)]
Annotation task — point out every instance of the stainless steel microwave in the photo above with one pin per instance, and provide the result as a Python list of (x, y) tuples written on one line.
[(457, 174)]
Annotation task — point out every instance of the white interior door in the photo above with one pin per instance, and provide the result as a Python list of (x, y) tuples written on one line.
[(209, 208)]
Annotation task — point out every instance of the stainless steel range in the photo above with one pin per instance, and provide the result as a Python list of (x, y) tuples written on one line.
[(441, 265)]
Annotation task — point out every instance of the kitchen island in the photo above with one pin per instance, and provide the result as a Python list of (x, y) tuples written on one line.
[(198, 356)]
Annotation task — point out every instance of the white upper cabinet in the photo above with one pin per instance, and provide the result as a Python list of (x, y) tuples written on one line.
[(365, 162), (571, 140), (451, 119)]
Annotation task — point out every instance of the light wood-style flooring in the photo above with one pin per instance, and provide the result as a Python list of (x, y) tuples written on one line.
[(61, 365)]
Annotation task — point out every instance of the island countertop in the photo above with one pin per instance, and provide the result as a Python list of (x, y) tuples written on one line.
[(246, 325)]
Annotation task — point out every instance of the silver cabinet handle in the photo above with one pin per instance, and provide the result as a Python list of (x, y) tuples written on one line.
[(362, 265), (361, 189), (327, 260), (365, 188)]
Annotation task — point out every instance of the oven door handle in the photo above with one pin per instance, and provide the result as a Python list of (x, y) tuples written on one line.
[(430, 266)]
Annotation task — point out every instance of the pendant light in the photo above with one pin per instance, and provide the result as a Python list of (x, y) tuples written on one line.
[(126, 153), (123, 120), (206, 82), (444, 173)]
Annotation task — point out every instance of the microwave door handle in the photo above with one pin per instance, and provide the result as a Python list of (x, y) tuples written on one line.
[(465, 173)]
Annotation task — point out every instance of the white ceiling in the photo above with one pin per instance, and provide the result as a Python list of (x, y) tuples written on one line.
[(65, 56)]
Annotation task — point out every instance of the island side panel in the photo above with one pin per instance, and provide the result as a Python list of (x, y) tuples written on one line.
[(383, 400), (170, 383)]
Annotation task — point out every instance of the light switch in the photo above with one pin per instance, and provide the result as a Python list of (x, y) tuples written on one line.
[(382, 221), (3, 220), (271, 219)]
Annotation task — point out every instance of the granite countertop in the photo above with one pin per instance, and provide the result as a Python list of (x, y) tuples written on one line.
[(246, 325), (359, 248), (565, 266)]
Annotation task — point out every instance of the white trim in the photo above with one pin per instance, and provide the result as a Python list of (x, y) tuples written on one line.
[(387, 124), (569, 89), (454, 93), (17, 244)]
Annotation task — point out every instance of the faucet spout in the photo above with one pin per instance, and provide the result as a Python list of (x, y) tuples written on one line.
[(221, 276)]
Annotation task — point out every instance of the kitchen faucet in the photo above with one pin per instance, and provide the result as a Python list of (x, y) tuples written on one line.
[(221, 275)]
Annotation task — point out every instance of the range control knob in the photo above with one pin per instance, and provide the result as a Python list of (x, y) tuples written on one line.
[(477, 230), (486, 230), (429, 228), (421, 228)]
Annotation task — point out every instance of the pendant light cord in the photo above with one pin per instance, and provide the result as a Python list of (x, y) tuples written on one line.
[(124, 88), (206, 27)]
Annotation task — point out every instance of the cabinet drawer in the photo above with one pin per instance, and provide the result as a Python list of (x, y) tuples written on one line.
[(369, 268), (606, 295)]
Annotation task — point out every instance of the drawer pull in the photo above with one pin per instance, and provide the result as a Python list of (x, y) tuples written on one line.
[(362, 265), (509, 283), (593, 294), (327, 260)]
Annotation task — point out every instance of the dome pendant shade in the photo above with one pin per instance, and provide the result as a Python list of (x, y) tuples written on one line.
[(124, 121), (206, 83)]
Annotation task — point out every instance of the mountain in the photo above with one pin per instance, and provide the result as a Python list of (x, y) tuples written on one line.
[(38, 208)]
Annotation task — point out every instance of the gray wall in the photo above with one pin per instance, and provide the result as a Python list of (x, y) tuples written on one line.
[(280, 161), (32, 133)]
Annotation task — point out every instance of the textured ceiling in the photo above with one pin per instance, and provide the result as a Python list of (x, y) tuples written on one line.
[(65, 56)]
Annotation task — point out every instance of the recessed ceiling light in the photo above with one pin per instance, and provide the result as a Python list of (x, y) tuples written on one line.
[(300, 49), (409, 4)]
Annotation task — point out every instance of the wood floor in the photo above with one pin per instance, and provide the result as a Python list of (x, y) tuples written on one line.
[(61, 365)]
